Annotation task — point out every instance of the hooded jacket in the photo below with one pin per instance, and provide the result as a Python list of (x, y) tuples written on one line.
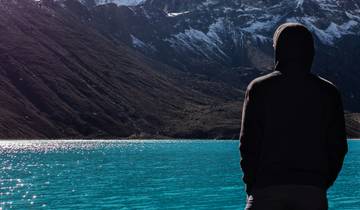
[(293, 127)]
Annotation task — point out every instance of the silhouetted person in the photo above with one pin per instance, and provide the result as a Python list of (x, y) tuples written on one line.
[(292, 139)]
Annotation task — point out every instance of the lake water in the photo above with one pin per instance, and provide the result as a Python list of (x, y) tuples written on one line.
[(138, 175)]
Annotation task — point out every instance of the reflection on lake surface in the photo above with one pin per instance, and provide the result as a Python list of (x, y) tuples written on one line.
[(138, 175)]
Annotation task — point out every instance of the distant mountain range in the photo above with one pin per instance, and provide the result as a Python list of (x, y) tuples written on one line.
[(86, 69), (231, 40)]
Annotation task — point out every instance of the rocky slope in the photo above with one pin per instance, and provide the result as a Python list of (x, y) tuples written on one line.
[(62, 79), (231, 41)]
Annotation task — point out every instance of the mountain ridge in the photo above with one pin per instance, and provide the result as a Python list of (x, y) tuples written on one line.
[(227, 40)]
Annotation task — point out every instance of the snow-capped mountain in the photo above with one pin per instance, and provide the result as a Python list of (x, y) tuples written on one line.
[(232, 40)]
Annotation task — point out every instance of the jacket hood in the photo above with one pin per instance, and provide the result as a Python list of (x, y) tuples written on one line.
[(294, 49)]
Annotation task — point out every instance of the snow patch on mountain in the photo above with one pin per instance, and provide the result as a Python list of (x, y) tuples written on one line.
[(255, 26), (197, 41), (330, 34), (119, 2), (329, 5), (299, 3), (261, 39), (210, 2), (337, 31), (224, 30), (215, 29), (137, 42), (174, 14), (353, 17), (141, 45)]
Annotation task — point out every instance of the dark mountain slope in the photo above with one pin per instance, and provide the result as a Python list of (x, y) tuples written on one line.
[(62, 79)]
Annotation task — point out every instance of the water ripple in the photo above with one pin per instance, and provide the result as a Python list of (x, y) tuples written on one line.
[(86, 174)]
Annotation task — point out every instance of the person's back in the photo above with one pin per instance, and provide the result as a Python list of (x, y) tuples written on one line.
[(293, 130)]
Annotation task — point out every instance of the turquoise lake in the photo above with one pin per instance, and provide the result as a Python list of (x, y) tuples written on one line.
[(139, 175)]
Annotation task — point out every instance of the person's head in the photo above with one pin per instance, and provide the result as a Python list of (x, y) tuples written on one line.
[(294, 49)]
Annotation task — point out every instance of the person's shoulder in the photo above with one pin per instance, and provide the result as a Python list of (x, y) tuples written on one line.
[(263, 81), (326, 85)]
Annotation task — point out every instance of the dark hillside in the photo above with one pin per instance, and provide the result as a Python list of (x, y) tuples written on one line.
[(61, 79)]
